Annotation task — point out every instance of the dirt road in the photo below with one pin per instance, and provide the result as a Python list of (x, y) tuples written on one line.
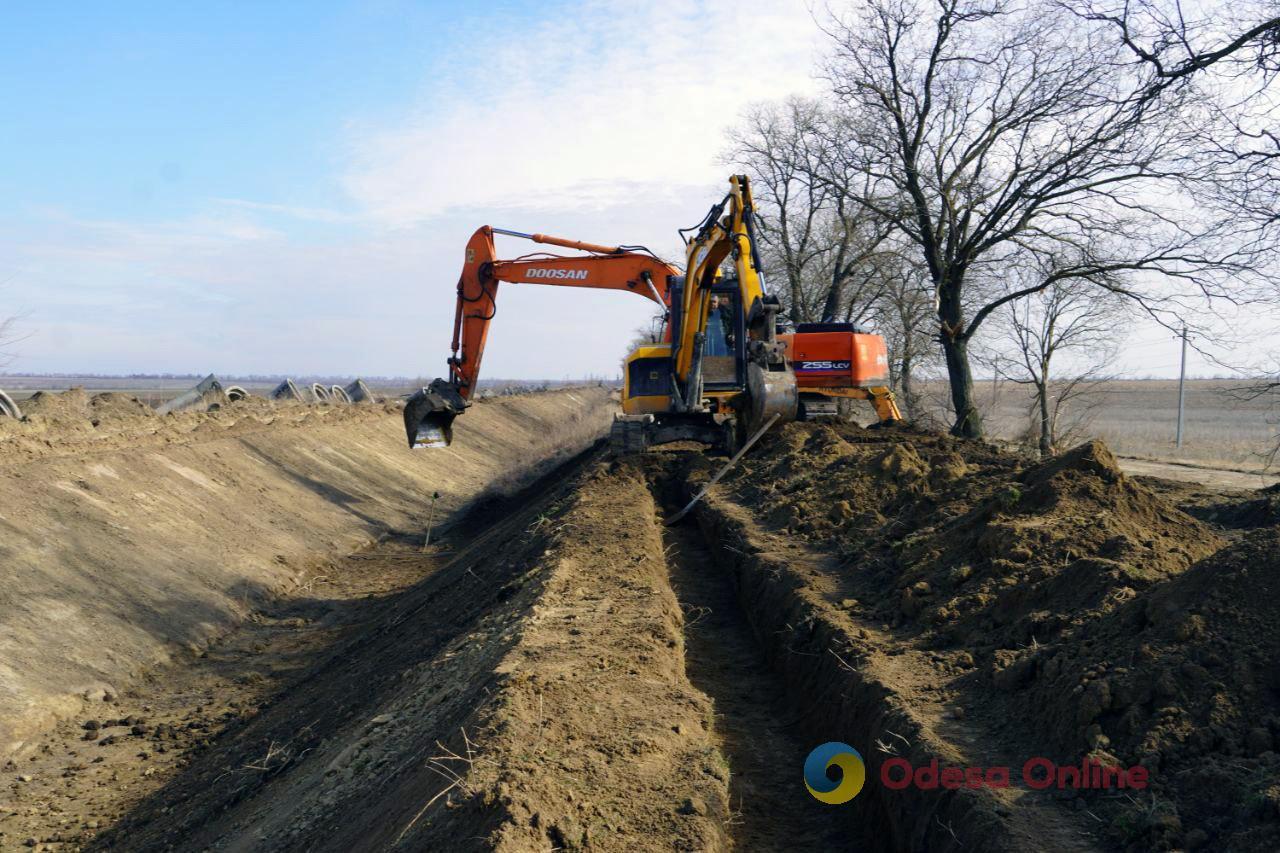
[(1218, 478)]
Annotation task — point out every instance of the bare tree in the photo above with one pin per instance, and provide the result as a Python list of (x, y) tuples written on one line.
[(774, 146), (1038, 333), (1178, 42), (812, 230), (1234, 48), (838, 261), (903, 314), (999, 134)]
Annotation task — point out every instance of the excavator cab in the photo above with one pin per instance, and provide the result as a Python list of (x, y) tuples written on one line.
[(648, 370), (724, 343)]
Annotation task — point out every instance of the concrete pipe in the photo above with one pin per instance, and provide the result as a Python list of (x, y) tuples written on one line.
[(235, 392), (358, 392), (206, 395), (286, 390), (8, 408), (319, 393), (339, 395)]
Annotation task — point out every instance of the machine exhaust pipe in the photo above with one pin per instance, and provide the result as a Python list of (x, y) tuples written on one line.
[(429, 414)]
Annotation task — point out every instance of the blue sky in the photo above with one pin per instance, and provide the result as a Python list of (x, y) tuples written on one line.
[(287, 187), (146, 110)]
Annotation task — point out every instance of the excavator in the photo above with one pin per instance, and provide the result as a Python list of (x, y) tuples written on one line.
[(721, 370)]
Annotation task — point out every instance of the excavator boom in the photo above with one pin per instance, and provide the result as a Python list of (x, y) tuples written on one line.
[(429, 413)]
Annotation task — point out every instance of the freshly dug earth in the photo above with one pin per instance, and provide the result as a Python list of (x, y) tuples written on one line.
[(570, 674), (529, 695), (1057, 609), (70, 410), (92, 769), (126, 537), (575, 677)]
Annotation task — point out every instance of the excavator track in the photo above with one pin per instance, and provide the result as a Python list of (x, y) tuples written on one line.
[(628, 436)]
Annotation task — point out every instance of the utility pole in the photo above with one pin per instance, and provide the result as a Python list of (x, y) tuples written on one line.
[(1182, 388)]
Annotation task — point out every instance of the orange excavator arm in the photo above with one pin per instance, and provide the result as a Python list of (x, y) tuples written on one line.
[(429, 413)]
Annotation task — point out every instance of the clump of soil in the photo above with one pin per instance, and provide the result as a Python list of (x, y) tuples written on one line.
[(253, 405), (1183, 680)]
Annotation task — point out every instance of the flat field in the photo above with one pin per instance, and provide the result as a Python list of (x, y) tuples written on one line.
[(1222, 427)]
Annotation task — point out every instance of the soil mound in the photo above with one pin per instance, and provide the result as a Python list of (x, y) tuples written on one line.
[(960, 537), (1184, 681), (75, 410), (112, 405), (141, 535), (1062, 539), (1079, 611), (61, 407)]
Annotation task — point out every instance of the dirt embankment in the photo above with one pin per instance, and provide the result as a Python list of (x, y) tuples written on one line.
[(958, 604), (124, 536), (529, 695)]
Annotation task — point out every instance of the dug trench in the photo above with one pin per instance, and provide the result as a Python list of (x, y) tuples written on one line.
[(574, 674), (577, 676), (757, 725), (932, 600), (788, 671), (527, 694), (847, 681)]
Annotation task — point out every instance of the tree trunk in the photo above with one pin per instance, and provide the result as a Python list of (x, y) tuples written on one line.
[(831, 307), (905, 381), (968, 422), (1046, 427), (955, 349), (797, 296)]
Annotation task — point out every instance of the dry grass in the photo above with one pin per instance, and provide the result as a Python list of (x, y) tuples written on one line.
[(553, 448)]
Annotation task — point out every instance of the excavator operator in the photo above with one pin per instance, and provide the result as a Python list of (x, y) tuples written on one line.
[(719, 328)]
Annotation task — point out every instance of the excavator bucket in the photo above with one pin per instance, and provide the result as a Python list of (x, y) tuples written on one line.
[(772, 392), (429, 414)]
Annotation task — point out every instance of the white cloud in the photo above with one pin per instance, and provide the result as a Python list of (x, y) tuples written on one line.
[(585, 110), (604, 123)]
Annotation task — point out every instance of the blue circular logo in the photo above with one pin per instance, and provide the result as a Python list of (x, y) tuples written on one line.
[(853, 773)]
